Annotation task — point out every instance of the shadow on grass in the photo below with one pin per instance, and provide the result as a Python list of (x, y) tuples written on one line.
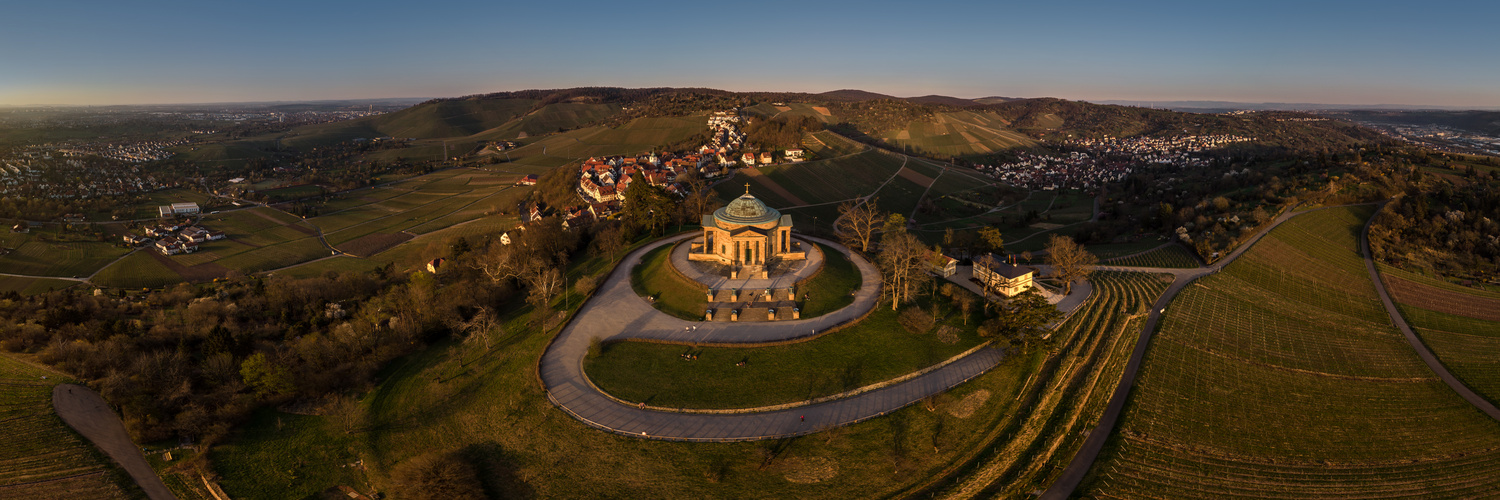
[(496, 473)]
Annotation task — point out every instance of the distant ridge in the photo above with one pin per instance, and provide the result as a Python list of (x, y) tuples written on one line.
[(995, 99), (943, 100), (854, 95), (1280, 106)]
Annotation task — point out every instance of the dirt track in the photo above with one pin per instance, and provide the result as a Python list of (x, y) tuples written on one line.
[(87, 413)]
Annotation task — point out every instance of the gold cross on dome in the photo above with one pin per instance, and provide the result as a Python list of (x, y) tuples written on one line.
[(747, 188)]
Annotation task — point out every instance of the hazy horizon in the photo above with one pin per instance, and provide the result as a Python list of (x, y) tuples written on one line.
[(1336, 53)]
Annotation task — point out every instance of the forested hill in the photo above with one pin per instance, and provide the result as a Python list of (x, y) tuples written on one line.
[(938, 126)]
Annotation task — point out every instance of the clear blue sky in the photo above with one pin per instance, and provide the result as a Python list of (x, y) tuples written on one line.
[(1370, 52)]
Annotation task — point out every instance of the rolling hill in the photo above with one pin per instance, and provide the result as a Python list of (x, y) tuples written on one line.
[(431, 120)]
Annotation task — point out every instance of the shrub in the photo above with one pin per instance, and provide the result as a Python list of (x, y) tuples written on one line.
[(915, 320)]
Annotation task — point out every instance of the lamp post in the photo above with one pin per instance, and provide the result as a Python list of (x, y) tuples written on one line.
[(815, 225)]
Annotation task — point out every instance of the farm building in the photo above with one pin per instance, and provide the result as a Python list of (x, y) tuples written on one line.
[(941, 265), (178, 209)]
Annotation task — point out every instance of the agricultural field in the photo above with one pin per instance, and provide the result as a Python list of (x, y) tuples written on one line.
[(137, 270), (826, 181), (361, 223), (32, 286), (1282, 376), (960, 133), (1460, 325), (548, 120), (50, 252), (640, 135), (425, 121), (1069, 395), (1171, 255), (791, 109), (40, 456)]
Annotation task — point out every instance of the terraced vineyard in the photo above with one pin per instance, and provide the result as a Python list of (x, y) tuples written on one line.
[(40, 457), (1460, 325), (959, 133), (1173, 256), (1095, 345), (1283, 377)]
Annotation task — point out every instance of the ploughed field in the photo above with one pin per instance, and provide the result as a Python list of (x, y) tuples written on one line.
[(1283, 377)]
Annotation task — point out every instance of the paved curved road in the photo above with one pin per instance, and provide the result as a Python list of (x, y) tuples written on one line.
[(1071, 476), (616, 312), (86, 412), (1416, 343)]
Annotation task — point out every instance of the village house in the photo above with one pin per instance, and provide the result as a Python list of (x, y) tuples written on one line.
[(766, 158), (941, 265), (795, 154)]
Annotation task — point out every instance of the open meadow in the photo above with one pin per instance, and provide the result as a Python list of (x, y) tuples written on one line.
[(1283, 377)]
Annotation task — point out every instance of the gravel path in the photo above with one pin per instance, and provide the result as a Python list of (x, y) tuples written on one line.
[(88, 414)]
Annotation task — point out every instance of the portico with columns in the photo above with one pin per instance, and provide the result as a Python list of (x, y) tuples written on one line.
[(747, 235)]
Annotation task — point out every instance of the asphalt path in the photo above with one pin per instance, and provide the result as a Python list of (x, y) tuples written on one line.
[(616, 313), (1416, 343), (1073, 475)]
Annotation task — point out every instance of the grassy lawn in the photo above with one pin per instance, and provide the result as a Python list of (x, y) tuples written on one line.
[(876, 349), (40, 456), (1283, 374), (830, 289), (675, 295), (298, 456)]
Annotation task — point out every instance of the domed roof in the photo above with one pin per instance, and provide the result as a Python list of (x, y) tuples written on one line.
[(746, 211)]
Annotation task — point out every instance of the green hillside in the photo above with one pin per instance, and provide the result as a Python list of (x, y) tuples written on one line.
[(958, 133), (551, 118), (424, 121)]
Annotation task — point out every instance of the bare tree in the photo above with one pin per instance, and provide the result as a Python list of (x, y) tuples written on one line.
[(499, 262), (545, 281), (1070, 261), (902, 262), (698, 196), (857, 223), (610, 240)]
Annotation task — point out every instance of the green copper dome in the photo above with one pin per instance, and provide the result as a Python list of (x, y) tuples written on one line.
[(746, 211)]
